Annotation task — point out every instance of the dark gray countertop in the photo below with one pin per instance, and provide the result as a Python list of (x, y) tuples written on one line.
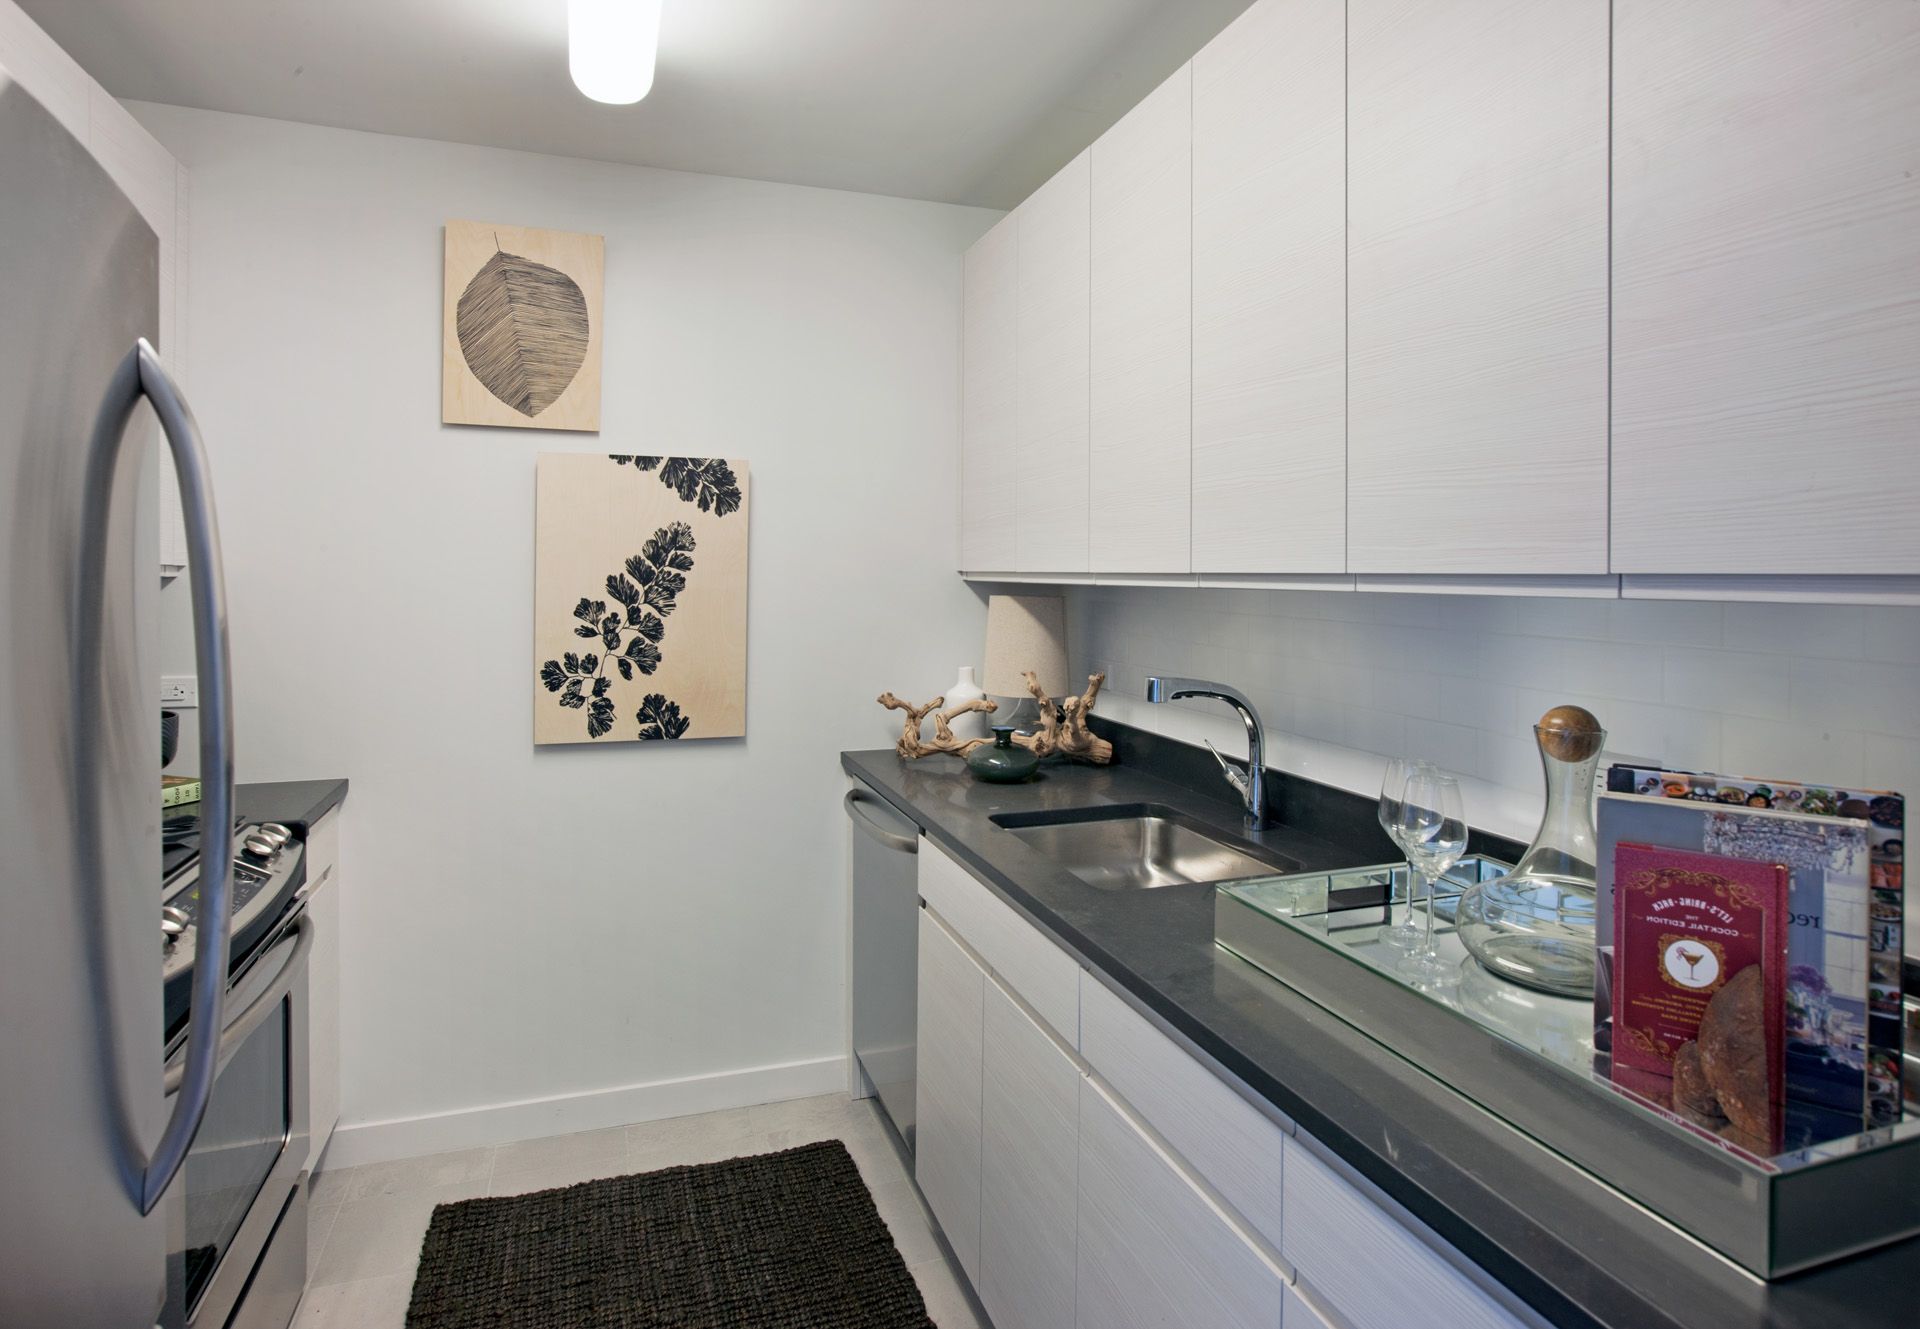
[(289, 801), (1572, 1248)]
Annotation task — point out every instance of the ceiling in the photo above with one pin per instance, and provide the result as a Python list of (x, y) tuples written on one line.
[(962, 101)]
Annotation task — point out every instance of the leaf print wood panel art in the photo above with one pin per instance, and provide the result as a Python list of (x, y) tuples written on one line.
[(523, 330), (520, 345), (640, 599)]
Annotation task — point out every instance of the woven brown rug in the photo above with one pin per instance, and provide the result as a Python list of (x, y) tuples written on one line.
[(789, 1240)]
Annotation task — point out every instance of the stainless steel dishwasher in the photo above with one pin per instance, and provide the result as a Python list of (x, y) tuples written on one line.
[(886, 907)]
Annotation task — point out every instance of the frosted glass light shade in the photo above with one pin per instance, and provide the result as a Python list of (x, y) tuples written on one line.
[(611, 46), (1025, 632)]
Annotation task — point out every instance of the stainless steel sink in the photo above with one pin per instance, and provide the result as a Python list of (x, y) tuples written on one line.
[(1139, 847)]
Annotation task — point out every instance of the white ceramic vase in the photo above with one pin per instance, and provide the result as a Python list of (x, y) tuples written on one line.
[(964, 689)]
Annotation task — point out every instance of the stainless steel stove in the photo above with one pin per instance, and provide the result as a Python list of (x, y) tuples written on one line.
[(237, 1241), (269, 870)]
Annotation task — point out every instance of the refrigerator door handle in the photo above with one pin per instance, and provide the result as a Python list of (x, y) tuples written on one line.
[(139, 375)]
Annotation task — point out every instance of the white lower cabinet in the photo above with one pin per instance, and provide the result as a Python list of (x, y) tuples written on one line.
[(1218, 1134), (323, 984), (1295, 1313), (1029, 1110), (1374, 1271), (1152, 1250), (946, 1109), (1088, 1172)]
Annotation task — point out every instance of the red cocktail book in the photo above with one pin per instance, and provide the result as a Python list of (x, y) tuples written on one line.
[(1687, 927)]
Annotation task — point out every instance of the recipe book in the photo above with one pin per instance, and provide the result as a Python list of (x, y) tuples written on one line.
[(1825, 979), (1699, 949), (1885, 814)]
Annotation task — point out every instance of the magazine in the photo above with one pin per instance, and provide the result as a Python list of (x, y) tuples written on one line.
[(1826, 975), (1699, 954), (1885, 814)]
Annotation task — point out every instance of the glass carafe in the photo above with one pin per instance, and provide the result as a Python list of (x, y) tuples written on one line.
[(1534, 926)]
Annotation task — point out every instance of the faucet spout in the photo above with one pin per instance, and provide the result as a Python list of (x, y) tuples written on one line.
[(1251, 786)]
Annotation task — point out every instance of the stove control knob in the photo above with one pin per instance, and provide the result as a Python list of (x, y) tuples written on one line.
[(173, 922), (275, 832), (260, 847)]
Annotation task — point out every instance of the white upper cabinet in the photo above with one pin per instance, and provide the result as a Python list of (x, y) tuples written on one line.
[(1269, 292), (1766, 287), (1142, 344), (989, 299), (1050, 373), (1477, 281)]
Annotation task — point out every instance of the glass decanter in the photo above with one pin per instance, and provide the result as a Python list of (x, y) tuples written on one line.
[(1534, 926)]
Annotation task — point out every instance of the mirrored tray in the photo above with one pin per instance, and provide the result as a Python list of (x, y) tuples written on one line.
[(1529, 1059)]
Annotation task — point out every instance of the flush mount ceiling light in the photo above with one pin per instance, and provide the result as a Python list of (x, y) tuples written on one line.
[(611, 46)]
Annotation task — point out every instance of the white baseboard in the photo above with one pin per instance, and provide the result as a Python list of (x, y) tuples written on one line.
[(360, 1142)]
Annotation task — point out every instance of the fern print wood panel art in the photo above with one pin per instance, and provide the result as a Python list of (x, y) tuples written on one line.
[(640, 599), (520, 345)]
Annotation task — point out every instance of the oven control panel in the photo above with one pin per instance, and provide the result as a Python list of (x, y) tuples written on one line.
[(268, 868)]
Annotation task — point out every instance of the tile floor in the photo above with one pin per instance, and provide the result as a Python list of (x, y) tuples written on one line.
[(365, 1224)]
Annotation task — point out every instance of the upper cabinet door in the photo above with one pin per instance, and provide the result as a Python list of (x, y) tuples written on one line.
[(1051, 350), (990, 275), (1270, 292), (1477, 271), (1766, 279), (1142, 343)]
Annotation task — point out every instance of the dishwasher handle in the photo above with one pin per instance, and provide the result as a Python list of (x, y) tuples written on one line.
[(906, 844)]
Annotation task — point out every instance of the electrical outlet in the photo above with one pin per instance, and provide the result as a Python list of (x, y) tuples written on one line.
[(179, 691)]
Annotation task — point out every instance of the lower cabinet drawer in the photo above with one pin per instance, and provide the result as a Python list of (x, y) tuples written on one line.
[(1025, 958), (1225, 1140), (1295, 1313), (1153, 1250), (1360, 1260)]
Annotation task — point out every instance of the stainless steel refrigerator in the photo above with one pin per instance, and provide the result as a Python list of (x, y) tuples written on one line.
[(89, 1139)]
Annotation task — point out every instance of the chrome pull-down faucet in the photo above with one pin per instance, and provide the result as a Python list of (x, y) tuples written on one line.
[(1250, 784)]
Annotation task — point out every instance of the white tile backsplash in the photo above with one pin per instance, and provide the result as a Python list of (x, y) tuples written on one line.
[(1761, 747), (1612, 669), (1737, 682), (1893, 634), (1454, 746), (1481, 705), (1866, 695), (1833, 631), (1814, 692)]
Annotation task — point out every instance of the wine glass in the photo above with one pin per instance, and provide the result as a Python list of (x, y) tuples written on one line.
[(1404, 935), (1433, 831)]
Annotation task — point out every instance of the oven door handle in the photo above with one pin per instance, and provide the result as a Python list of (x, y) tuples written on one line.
[(141, 375), (241, 1026)]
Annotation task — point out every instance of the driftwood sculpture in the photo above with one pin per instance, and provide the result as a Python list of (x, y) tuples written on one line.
[(1063, 728), (911, 745)]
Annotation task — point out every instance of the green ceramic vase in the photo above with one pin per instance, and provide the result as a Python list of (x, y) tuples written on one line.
[(1001, 761)]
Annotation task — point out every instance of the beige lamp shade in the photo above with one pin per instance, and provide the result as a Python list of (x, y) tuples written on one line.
[(1025, 632)]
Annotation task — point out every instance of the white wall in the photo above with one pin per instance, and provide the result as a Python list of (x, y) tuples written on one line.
[(1815, 692), (525, 924)]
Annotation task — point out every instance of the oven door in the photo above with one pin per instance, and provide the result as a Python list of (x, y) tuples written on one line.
[(237, 1242)]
